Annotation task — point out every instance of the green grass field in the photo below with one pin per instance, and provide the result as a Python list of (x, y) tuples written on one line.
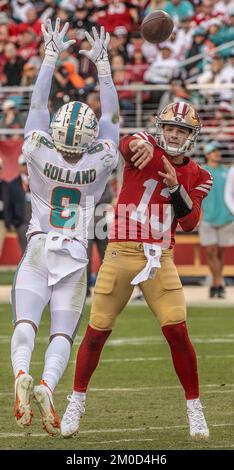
[(135, 401), (6, 278)]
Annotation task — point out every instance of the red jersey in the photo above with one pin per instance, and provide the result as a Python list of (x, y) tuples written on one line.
[(144, 210)]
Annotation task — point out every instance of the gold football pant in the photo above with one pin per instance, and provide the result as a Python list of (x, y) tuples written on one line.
[(122, 262)]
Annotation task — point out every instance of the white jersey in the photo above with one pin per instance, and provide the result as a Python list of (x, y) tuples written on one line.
[(64, 195)]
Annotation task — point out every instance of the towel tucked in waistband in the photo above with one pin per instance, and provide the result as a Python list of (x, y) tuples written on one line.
[(153, 254), (64, 256)]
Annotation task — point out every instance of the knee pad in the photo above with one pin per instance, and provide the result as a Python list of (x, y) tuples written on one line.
[(101, 321), (24, 335)]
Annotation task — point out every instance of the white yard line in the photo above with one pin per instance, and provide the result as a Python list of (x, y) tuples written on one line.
[(146, 359), (114, 430), (143, 389), (141, 341)]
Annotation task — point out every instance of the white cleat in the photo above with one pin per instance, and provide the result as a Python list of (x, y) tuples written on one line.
[(71, 418), (197, 423), (44, 400), (23, 391)]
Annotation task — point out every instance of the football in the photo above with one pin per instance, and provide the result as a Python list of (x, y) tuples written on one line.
[(157, 26)]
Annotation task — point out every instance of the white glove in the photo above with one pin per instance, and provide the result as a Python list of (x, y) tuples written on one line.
[(98, 52), (54, 43)]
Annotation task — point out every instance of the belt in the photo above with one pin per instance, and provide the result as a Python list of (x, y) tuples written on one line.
[(38, 232), (35, 233)]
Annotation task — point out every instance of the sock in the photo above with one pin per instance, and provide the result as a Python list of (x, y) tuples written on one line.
[(80, 398), (22, 345), (56, 360), (194, 403), (184, 358), (88, 357)]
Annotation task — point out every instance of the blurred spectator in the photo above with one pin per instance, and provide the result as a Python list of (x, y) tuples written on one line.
[(121, 35), (13, 68), (197, 47), (17, 205), (32, 23), (178, 9), (217, 227), (177, 43), (2, 221), (117, 13), (98, 232), (161, 70), (225, 7), (223, 122), (68, 57), (206, 13), (137, 66), (215, 75), (82, 21), (29, 74), (178, 92), (28, 44), (20, 8), (11, 117), (86, 68), (122, 77), (185, 31), (229, 190), (38, 58), (66, 86), (93, 101), (137, 42), (25, 185)]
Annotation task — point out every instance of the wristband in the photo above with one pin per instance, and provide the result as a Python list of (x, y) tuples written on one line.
[(182, 203)]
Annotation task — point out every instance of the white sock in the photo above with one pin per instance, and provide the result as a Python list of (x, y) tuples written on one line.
[(79, 396), (56, 360), (22, 344), (191, 403)]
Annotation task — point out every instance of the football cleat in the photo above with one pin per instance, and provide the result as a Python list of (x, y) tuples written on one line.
[(71, 418), (43, 398), (23, 390), (221, 292), (197, 423)]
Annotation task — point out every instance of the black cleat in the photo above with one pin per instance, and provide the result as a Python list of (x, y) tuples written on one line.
[(214, 292), (221, 292)]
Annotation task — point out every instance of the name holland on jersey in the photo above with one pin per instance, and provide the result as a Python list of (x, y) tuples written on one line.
[(57, 173)]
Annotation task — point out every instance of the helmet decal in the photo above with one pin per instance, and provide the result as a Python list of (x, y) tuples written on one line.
[(72, 123), (178, 114)]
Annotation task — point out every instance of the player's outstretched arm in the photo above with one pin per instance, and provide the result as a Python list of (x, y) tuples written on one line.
[(38, 116), (109, 122)]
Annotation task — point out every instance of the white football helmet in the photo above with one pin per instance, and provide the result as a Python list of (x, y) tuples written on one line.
[(178, 114), (74, 127)]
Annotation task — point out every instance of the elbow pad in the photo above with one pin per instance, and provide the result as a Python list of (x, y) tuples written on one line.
[(181, 202)]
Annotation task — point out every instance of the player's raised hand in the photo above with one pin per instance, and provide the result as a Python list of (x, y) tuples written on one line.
[(54, 38), (170, 173), (99, 45), (143, 152)]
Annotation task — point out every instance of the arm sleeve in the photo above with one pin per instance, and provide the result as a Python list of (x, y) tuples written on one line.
[(203, 186), (125, 141), (229, 191), (38, 116), (109, 122)]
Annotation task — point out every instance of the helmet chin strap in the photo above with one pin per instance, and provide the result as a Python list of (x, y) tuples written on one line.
[(173, 152)]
